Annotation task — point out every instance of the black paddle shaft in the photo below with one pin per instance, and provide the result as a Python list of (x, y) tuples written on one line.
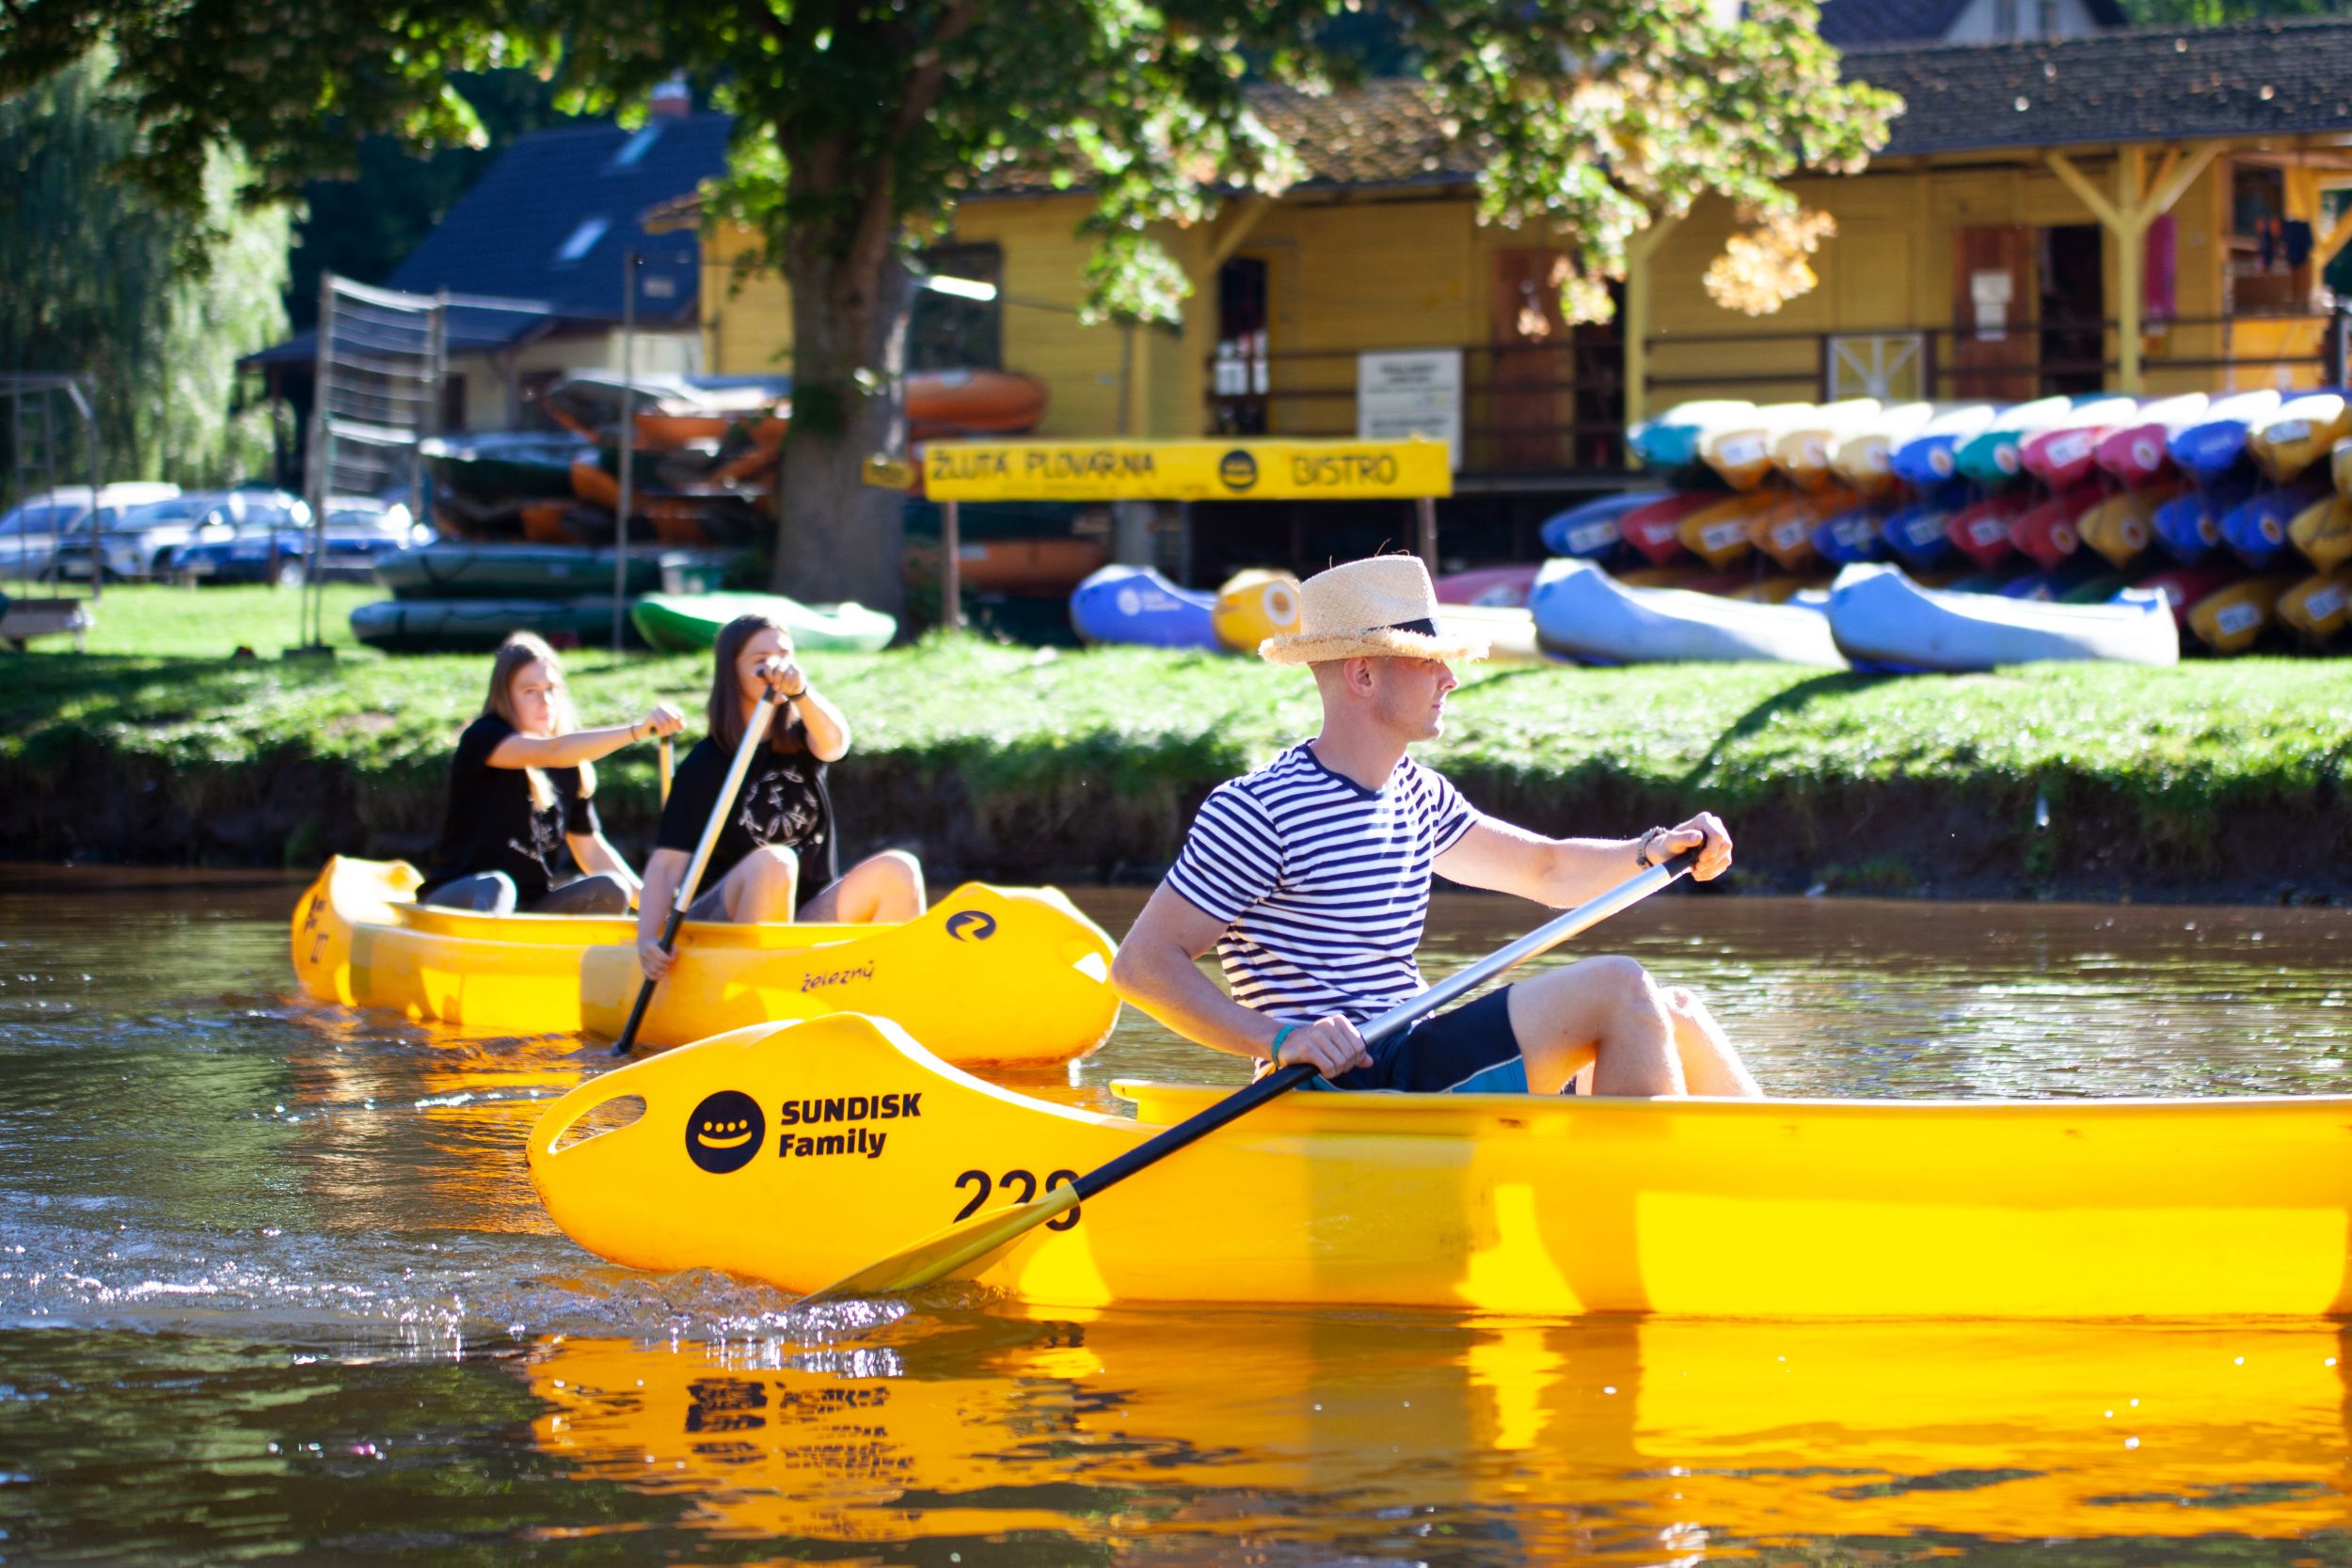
[(1282, 1080), (645, 992)]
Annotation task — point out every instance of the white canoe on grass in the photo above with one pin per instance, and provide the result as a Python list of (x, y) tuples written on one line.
[(1881, 617), (1584, 614)]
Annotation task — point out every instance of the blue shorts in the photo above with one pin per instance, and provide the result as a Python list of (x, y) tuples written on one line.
[(1468, 1050)]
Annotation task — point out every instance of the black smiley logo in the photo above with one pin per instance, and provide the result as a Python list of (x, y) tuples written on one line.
[(725, 1132), (1238, 469)]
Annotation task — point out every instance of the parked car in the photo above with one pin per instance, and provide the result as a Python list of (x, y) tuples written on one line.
[(139, 544), (31, 530), (359, 530)]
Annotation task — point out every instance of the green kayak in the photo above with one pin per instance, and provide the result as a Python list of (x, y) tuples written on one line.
[(478, 626), (689, 623)]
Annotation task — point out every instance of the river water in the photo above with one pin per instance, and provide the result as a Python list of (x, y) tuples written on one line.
[(274, 1285)]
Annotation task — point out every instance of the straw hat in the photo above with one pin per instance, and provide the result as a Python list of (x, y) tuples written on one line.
[(1383, 608)]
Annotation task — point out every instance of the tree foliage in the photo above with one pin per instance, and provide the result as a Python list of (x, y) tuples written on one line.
[(860, 124), (154, 301)]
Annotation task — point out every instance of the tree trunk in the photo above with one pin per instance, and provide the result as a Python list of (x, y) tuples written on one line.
[(838, 537)]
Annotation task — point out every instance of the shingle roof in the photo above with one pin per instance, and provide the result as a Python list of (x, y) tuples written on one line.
[(525, 232), (2266, 78), (507, 235), (1853, 23)]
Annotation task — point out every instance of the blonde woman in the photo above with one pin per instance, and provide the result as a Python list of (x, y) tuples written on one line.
[(521, 789)]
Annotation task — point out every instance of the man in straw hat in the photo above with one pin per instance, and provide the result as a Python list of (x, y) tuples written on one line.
[(1311, 879)]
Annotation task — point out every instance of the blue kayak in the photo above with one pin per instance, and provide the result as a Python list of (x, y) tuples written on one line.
[(2256, 528), (2189, 525), (1921, 533), (2216, 443), (1590, 527), (1135, 604), (1855, 534)]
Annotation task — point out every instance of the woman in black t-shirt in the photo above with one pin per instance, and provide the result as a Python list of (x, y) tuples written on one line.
[(521, 790), (775, 857)]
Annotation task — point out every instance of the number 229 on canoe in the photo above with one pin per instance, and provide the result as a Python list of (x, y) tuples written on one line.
[(1019, 1187)]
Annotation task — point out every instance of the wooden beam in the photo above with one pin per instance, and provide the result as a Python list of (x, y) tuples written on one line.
[(2091, 195), (1232, 226), (2173, 180), (2332, 241)]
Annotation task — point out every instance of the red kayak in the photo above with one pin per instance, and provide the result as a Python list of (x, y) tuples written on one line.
[(1981, 532), (2053, 530)]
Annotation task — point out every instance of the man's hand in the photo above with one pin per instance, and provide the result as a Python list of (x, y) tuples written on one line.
[(1704, 833), (1331, 1043)]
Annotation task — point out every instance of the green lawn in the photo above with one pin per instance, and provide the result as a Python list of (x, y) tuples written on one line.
[(210, 622), (1014, 745)]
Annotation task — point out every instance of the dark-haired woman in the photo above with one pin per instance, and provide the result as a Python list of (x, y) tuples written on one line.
[(776, 857), (521, 791)]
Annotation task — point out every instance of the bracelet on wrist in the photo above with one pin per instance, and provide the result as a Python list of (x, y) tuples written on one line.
[(1645, 849), (1273, 1052)]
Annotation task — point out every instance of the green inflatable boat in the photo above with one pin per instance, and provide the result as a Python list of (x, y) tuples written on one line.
[(690, 622)]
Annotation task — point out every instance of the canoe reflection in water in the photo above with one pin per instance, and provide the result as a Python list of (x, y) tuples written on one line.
[(1599, 1436)]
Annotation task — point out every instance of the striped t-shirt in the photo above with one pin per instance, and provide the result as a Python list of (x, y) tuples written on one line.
[(1322, 884)]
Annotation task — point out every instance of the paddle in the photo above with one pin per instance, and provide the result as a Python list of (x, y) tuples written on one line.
[(956, 1249), (755, 731), (662, 768)]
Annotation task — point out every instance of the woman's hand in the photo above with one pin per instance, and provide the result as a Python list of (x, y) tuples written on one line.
[(653, 961), (784, 677), (661, 718)]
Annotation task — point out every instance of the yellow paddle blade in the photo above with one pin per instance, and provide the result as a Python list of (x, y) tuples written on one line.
[(952, 1252)]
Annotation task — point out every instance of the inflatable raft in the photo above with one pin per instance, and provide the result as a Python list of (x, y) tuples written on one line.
[(997, 974), (1881, 617), (690, 622), (454, 569), (1516, 1204), (1582, 612)]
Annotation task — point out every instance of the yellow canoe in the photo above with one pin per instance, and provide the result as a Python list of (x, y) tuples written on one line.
[(1080, 1422), (1013, 975), (1493, 1203)]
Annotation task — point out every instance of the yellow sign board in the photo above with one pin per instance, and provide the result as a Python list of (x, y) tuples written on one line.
[(885, 472), (1184, 470)]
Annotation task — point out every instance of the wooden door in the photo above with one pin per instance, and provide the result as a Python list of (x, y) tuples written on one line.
[(1532, 406), (1995, 350)]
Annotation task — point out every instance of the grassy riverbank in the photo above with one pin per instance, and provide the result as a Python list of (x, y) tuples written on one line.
[(2216, 779)]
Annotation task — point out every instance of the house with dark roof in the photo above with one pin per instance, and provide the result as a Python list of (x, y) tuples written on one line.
[(2142, 210), (1860, 23), (533, 258)]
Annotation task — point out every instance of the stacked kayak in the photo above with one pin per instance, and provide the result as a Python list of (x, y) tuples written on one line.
[(1582, 612), (478, 626), (981, 955), (1881, 618), (868, 1143), (691, 623)]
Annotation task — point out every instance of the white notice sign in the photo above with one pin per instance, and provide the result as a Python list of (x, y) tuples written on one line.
[(1415, 393)]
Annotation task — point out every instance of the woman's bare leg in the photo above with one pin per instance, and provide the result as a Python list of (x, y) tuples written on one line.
[(883, 887)]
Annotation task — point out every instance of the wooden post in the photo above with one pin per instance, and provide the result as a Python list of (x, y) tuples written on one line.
[(2131, 257), (1425, 508), (1638, 251), (950, 568)]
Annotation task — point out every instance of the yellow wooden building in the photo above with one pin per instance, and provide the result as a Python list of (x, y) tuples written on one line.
[(2139, 210)]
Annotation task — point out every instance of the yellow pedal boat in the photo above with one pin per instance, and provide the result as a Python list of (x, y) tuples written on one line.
[(1494, 1203), (1006, 975)]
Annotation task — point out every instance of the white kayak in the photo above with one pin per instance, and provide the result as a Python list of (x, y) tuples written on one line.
[(1584, 614), (1881, 617)]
